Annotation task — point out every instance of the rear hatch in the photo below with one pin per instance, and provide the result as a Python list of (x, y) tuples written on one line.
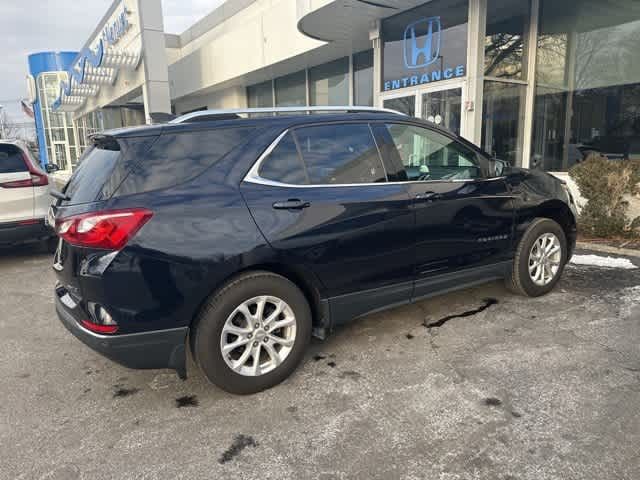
[(100, 172)]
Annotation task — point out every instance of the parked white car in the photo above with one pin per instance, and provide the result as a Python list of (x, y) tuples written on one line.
[(24, 196)]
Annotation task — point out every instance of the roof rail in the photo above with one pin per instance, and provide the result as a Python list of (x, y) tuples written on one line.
[(234, 113)]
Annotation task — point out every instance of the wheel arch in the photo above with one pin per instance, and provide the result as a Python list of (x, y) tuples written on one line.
[(301, 278), (559, 212)]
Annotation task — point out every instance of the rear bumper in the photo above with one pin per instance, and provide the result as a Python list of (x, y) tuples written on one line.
[(17, 232), (155, 349)]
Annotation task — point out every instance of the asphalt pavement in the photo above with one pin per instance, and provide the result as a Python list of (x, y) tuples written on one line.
[(478, 384)]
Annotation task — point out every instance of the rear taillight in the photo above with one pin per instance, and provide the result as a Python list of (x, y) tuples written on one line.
[(110, 230), (101, 320)]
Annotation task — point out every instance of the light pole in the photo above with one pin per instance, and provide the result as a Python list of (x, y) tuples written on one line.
[(2, 120)]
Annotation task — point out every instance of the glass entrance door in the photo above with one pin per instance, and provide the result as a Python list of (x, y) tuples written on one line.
[(444, 108), (440, 104)]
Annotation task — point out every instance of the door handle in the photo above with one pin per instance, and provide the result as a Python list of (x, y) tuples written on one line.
[(429, 196), (291, 204)]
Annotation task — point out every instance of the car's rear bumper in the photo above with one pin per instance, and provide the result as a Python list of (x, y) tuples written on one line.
[(24, 231), (154, 349)]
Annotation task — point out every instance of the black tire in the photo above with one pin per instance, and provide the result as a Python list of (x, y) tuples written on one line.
[(518, 279), (210, 323)]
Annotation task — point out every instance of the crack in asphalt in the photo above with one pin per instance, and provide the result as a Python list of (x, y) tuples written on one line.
[(438, 323)]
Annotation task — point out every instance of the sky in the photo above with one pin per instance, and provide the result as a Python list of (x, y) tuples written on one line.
[(29, 26)]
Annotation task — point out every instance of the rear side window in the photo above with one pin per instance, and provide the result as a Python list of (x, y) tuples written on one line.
[(94, 169), (283, 164), (178, 157), (340, 154), (11, 159)]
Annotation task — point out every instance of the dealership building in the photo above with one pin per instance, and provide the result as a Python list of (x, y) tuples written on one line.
[(534, 82)]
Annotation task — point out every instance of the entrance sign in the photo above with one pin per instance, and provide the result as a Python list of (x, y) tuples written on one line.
[(425, 45)]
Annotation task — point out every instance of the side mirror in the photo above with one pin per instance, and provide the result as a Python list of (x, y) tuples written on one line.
[(51, 167), (500, 167)]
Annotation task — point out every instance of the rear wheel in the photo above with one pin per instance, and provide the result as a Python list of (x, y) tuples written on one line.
[(252, 334), (540, 259)]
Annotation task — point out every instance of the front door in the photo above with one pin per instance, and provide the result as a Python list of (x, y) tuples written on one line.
[(463, 218)]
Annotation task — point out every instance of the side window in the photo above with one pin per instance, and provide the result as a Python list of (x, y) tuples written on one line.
[(429, 155), (340, 154), (179, 157), (284, 164), (11, 159)]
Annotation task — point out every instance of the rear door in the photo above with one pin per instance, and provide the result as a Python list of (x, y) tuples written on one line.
[(16, 188), (464, 218), (323, 201)]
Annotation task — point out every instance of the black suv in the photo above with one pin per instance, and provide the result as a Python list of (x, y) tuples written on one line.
[(242, 237)]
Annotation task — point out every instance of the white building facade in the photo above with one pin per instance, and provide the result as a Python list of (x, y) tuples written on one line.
[(539, 83)]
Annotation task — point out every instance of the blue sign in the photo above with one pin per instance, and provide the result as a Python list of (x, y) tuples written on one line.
[(116, 29), (420, 55), (422, 45)]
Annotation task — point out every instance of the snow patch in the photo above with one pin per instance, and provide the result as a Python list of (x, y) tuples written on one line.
[(599, 261)]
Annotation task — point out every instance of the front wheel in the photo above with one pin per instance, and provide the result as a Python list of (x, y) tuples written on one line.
[(252, 334), (540, 259)]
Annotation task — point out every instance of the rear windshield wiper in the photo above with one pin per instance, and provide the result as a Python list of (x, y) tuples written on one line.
[(59, 195)]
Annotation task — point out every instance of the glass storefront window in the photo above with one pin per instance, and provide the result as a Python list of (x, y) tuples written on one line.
[(58, 126), (587, 82), (425, 45), (443, 108), (406, 105), (505, 41), (291, 90), (329, 83), (502, 122), (260, 95), (363, 78)]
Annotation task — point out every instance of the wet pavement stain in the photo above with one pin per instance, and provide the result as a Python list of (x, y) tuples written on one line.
[(331, 364), (410, 336), (240, 442), (492, 402), (318, 357), (120, 391), (353, 375), (438, 323), (187, 401)]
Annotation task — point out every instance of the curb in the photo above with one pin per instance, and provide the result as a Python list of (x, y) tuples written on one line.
[(628, 252)]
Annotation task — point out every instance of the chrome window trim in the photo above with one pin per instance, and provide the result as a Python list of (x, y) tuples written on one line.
[(253, 176)]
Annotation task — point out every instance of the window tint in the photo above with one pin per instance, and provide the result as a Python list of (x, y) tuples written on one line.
[(104, 166), (11, 159), (178, 157), (283, 164), (429, 155), (341, 153), (95, 168)]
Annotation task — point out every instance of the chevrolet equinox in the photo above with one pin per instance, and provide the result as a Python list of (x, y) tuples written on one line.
[(240, 238)]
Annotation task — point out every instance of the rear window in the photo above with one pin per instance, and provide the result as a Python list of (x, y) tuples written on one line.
[(11, 159), (94, 169), (104, 166), (178, 157)]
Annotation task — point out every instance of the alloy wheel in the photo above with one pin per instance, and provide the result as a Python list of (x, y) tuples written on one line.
[(258, 335), (544, 259)]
